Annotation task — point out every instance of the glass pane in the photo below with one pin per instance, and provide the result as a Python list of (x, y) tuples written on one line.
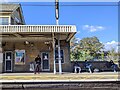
[(8, 65), (4, 21), (45, 64), (56, 56), (8, 55), (45, 59)]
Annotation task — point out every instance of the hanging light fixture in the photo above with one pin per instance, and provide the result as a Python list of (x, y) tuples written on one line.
[(26, 42), (57, 11)]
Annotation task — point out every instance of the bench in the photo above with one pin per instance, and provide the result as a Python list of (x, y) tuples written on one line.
[(109, 68), (97, 66), (77, 69)]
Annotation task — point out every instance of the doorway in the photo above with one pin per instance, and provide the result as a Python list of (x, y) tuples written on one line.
[(8, 61), (45, 61)]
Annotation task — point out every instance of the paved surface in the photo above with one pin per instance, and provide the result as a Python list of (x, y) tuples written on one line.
[(65, 81), (64, 73), (56, 77)]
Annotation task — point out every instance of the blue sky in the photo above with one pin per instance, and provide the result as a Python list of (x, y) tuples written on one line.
[(100, 21)]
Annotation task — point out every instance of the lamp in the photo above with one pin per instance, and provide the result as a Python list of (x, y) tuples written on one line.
[(26, 42), (48, 44), (32, 44)]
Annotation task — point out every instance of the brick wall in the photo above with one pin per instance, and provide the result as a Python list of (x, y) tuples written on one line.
[(32, 51)]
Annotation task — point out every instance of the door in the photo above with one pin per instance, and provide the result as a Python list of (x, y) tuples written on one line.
[(45, 61), (8, 61)]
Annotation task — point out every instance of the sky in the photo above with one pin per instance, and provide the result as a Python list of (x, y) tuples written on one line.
[(91, 19)]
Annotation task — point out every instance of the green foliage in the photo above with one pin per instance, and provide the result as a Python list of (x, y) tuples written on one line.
[(92, 44), (87, 48), (85, 55), (112, 55), (102, 55)]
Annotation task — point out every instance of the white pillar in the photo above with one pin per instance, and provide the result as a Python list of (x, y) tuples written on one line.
[(1, 59), (59, 56), (57, 22), (54, 59), (54, 53)]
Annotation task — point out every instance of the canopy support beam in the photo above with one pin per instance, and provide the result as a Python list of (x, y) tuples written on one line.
[(54, 53)]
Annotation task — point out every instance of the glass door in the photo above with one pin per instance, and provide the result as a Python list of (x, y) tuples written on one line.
[(8, 61), (45, 61)]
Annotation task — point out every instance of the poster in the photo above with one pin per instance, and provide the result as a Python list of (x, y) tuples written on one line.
[(19, 56)]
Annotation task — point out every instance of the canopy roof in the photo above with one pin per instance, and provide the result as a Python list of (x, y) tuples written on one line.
[(36, 32)]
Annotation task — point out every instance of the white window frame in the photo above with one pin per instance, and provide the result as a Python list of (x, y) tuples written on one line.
[(8, 60), (9, 19), (63, 58), (42, 61)]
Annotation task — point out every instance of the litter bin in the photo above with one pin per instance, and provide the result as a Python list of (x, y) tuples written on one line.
[(32, 68)]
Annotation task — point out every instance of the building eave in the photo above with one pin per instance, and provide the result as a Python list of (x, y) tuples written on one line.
[(37, 32)]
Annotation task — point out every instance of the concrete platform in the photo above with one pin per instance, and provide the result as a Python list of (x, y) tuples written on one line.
[(65, 76), (65, 81)]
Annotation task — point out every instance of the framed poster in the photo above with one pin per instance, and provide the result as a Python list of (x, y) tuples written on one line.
[(19, 56)]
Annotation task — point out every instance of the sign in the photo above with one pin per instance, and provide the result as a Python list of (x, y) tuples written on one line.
[(19, 56), (56, 56)]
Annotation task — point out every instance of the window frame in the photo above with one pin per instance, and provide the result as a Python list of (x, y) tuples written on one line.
[(9, 20), (63, 57)]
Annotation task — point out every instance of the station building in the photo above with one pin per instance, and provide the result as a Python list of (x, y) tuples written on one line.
[(21, 43)]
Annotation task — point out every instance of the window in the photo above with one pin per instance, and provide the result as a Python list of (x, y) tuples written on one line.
[(56, 56), (12, 21), (4, 20)]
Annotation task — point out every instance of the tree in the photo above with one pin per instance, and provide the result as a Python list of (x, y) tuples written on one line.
[(73, 43), (74, 54), (102, 55), (87, 48), (86, 55), (91, 44), (112, 55)]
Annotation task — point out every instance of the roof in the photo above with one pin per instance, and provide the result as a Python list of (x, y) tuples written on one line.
[(8, 7), (36, 32), (11, 7)]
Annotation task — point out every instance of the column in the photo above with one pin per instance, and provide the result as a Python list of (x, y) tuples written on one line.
[(1, 57), (59, 56), (54, 53)]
